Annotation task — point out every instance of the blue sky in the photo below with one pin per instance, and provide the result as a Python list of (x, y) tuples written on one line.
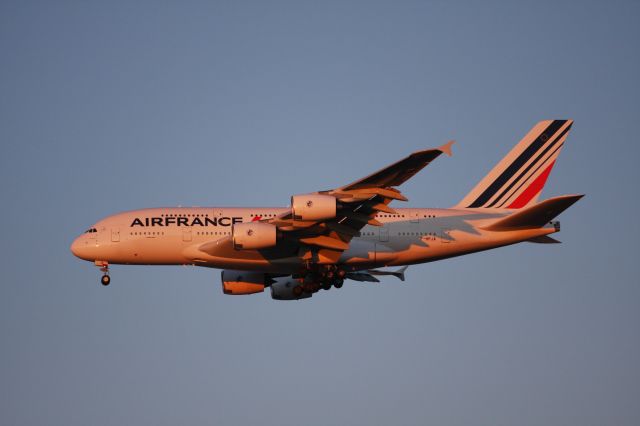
[(106, 107)]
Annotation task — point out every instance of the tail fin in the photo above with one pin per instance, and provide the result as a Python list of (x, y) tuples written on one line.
[(517, 180)]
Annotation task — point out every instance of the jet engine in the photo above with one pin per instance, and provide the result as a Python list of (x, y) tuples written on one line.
[(243, 282), (288, 288), (313, 207), (253, 235)]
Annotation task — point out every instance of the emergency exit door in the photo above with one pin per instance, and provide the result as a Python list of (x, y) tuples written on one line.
[(384, 233)]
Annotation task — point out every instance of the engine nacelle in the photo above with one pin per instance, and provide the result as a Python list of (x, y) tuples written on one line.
[(253, 235), (243, 282), (313, 207), (288, 288)]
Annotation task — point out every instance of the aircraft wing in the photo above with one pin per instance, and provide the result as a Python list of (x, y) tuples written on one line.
[(401, 171), (357, 205)]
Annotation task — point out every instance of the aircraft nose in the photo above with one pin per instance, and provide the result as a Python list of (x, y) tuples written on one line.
[(75, 247), (79, 248)]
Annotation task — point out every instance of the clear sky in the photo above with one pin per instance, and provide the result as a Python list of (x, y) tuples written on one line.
[(111, 106)]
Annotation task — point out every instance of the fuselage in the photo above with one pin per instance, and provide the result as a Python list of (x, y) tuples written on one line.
[(345, 233), (202, 236)]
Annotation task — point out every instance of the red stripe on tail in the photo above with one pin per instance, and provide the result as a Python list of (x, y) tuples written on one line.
[(533, 189)]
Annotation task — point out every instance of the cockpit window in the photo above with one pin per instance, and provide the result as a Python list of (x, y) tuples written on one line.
[(90, 230)]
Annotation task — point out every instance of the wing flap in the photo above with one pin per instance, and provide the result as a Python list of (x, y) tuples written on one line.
[(367, 193), (381, 207), (343, 229)]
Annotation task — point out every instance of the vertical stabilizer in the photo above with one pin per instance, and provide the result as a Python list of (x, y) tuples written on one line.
[(518, 179)]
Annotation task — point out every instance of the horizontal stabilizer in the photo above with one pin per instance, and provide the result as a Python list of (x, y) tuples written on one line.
[(544, 239), (536, 216), (398, 274)]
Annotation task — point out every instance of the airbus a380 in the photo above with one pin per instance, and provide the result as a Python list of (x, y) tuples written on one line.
[(326, 237)]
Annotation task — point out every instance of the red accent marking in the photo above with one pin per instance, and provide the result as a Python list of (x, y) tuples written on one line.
[(533, 189), (256, 218)]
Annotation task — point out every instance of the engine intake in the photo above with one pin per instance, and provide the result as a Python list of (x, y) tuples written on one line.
[(253, 235), (243, 282), (288, 288), (313, 207)]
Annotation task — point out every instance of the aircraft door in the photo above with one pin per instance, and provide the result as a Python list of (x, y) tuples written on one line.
[(384, 234), (115, 235), (414, 217), (186, 235)]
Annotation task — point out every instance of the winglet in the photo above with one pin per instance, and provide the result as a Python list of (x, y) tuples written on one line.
[(446, 148)]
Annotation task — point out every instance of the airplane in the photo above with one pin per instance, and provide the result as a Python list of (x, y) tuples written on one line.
[(347, 233)]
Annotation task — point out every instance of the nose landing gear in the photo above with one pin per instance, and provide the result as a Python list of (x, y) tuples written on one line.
[(105, 280)]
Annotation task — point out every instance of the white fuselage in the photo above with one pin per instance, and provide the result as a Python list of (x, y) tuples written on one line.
[(202, 236)]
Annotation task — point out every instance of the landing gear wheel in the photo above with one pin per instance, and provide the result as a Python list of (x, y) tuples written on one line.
[(297, 290), (338, 283), (105, 280), (326, 286)]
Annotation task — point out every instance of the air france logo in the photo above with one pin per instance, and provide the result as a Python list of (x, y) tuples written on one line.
[(186, 221)]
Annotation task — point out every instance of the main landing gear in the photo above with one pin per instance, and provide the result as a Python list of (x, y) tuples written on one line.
[(105, 280), (321, 278)]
